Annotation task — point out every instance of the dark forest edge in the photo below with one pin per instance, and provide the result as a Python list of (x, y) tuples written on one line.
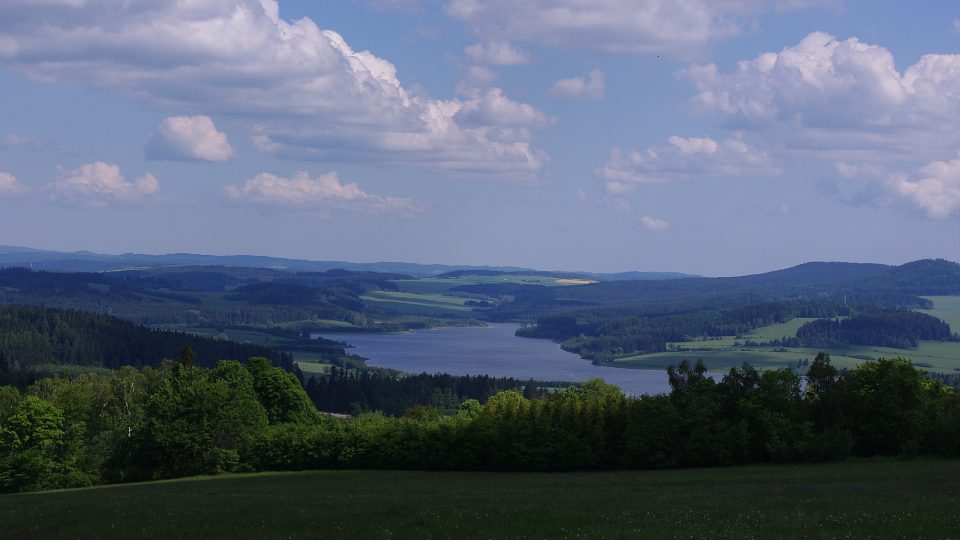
[(182, 419)]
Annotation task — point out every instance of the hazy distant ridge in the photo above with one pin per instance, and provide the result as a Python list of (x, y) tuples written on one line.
[(85, 261)]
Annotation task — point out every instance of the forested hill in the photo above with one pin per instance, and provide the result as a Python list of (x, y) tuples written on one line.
[(889, 286), (34, 338), (200, 296), (85, 261)]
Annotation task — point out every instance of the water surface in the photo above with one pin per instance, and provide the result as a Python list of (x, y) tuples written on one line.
[(492, 350)]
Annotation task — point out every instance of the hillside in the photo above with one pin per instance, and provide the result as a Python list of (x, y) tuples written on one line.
[(85, 261), (37, 338)]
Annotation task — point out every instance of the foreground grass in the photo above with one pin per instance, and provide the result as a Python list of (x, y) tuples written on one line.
[(862, 499)]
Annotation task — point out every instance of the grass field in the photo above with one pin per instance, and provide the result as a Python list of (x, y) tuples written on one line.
[(857, 499), (722, 354), (407, 302), (442, 285), (946, 308)]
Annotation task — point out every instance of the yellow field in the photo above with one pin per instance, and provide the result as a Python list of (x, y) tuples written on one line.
[(574, 282)]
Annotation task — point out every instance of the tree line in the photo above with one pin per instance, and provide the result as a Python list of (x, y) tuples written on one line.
[(356, 391), (34, 337), (894, 328), (181, 419)]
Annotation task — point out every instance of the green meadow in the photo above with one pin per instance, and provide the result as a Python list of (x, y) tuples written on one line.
[(946, 308), (729, 351), (861, 499)]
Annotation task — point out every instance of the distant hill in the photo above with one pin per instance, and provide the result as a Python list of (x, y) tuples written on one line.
[(86, 261), (589, 276), (34, 337), (875, 283), (928, 276)]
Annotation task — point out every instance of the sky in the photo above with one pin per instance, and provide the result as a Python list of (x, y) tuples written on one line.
[(703, 136)]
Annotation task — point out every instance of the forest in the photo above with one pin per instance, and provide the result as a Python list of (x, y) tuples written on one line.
[(897, 328), (358, 391), (37, 340), (182, 419)]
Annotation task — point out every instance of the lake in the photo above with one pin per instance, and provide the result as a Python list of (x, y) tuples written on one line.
[(492, 350)]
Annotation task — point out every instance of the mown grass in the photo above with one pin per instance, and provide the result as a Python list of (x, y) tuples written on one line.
[(858, 499), (946, 308)]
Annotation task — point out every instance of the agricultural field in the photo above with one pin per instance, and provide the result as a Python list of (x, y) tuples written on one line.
[(859, 498), (721, 354), (946, 308), (407, 302), (443, 285)]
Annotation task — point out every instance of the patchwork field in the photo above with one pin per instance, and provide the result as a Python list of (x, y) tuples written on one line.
[(862, 499), (408, 302), (729, 351), (442, 285)]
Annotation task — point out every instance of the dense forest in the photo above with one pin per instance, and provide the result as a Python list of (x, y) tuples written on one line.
[(181, 419), (898, 328), (33, 338), (210, 296), (357, 391)]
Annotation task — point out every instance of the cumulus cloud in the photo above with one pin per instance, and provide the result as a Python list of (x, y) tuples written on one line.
[(590, 86), (9, 185), (499, 53), (675, 27), (493, 107), (935, 190), (189, 138), (654, 224), (300, 90), (684, 158), (844, 98), (99, 184), (322, 193)]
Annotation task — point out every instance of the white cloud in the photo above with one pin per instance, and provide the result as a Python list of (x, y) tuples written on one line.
[(322, 193), (498, 53), (301, 90), (654, 224), (683, 159), (99, 184), (675, 27), (935, 190), (189, 138), (480, 76), (956, 24), (590, 86), (493, 107), (9, 185), (844, 99)]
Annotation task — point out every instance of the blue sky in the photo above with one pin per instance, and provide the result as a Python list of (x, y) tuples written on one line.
[(709, 137)]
